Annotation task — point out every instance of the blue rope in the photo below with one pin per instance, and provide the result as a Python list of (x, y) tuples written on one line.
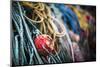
[(69, 17)]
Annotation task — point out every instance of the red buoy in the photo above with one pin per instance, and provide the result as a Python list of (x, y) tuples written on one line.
[(44, 44)]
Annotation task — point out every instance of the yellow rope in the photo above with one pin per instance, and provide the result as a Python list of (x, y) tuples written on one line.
[(82, 18), (44, 19)]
